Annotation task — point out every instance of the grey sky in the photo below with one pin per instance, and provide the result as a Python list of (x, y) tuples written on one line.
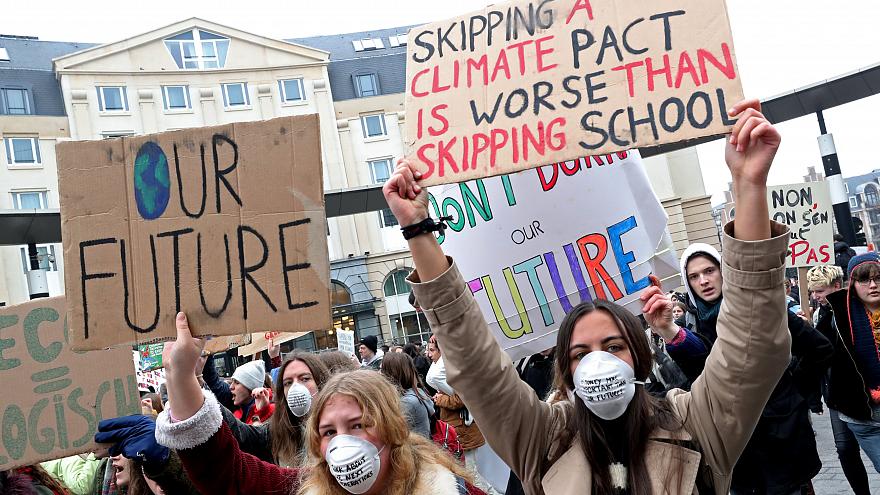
[(780, 45)]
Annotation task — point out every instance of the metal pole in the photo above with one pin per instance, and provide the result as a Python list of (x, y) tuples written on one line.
[(839, 198), (36, 277)]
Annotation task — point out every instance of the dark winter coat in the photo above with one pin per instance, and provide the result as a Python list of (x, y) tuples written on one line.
[(781, 455), (848, 391)]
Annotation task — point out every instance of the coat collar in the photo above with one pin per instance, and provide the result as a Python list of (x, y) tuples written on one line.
[(661, 458)]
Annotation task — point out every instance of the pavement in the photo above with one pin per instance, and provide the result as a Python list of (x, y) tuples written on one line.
[(830, 480)]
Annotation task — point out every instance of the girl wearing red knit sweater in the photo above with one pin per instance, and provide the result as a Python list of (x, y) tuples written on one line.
[(358, 440)]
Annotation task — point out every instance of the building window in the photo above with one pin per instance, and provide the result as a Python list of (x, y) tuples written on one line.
[(399, 40), (380, 170), (112, 99), (4, 55), (871, 196), (366, 85), (236, 95), (23, 151), (373, 125), (875, 216), (176, 97), (387, 219), (30, 200), (368, 44), (14, 101), (396, 284), (853, 202), (411, 326), (292, 90), (846, 187), (45, 254), (197, 49)]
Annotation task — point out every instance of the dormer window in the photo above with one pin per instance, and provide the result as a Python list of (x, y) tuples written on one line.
[(368, 44), (198, 49)]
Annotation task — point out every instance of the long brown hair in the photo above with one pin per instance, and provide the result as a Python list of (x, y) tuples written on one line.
[(286, 431), (337, 361), (643, 415), (380, 405), (400, 369)]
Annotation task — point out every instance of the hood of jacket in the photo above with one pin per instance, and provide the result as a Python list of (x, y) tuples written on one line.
[(695, 248)]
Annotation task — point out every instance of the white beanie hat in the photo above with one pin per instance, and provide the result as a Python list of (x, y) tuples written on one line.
[(252, 375)]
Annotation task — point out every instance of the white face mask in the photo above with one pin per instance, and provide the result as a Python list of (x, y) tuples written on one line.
[(299, 400), (605, 383), (354, 462)]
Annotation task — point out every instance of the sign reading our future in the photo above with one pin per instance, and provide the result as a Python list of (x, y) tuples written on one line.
[(531, 82), (226, 223), (552, 237), (806, 209), (53, 397)]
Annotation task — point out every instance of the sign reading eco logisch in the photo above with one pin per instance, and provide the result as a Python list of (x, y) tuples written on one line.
[(806, 209), (226, 223), (531, 82), (534, 244), (53, 397)]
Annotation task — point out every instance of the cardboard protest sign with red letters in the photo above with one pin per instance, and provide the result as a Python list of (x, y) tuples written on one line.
[(532, 82)]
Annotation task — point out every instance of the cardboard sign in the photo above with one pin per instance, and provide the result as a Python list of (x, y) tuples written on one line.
[(532, 82), (53, 397), (260, 341), (807, 210), (221, 344), (345, 341), (150, 356), (226, 223), (534, 244)]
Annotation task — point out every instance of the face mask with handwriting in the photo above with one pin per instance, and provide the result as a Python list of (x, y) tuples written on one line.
[(354, 462), (605, 383)]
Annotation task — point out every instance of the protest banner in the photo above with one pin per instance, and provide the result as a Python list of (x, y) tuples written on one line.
[(150, 356), (345, 341), (806, 209), (54, 397), (226, 223), (543, 81), (260, 341), (536, 243)]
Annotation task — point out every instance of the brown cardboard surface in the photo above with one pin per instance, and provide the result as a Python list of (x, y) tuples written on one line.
[(218, 247), (568, 78), (53, 397), (260, 341), (220, 344)]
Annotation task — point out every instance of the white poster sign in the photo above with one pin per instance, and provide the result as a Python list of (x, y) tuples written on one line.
[(536, 243), (806, 209), (345, 341)]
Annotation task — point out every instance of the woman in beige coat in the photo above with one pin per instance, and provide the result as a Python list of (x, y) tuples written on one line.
[(611, 437)]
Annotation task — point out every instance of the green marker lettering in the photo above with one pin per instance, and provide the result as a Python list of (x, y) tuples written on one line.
[(7, 321), (15, 442), (73, 404), (44, 440), (32, 322)]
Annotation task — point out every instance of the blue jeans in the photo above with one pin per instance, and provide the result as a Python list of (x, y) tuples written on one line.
[(849, 454), (868, 436)]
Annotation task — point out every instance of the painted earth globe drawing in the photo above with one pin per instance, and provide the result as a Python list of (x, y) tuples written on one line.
[(151, 184)]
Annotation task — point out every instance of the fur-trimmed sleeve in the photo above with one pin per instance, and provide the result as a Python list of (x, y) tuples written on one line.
[(192, 431)]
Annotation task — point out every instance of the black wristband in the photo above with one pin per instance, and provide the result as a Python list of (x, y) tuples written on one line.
[(425, 226)]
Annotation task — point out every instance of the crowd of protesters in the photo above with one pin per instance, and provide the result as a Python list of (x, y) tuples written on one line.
[(709, 392)]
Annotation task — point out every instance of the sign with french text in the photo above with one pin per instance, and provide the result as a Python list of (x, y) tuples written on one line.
[(807, 210)]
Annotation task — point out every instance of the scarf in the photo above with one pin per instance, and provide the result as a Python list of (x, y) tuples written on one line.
[(865, 346), (707, 317)]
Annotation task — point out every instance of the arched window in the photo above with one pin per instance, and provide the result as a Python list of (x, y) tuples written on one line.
[(871, 198), (396, 283), (339, 294)]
